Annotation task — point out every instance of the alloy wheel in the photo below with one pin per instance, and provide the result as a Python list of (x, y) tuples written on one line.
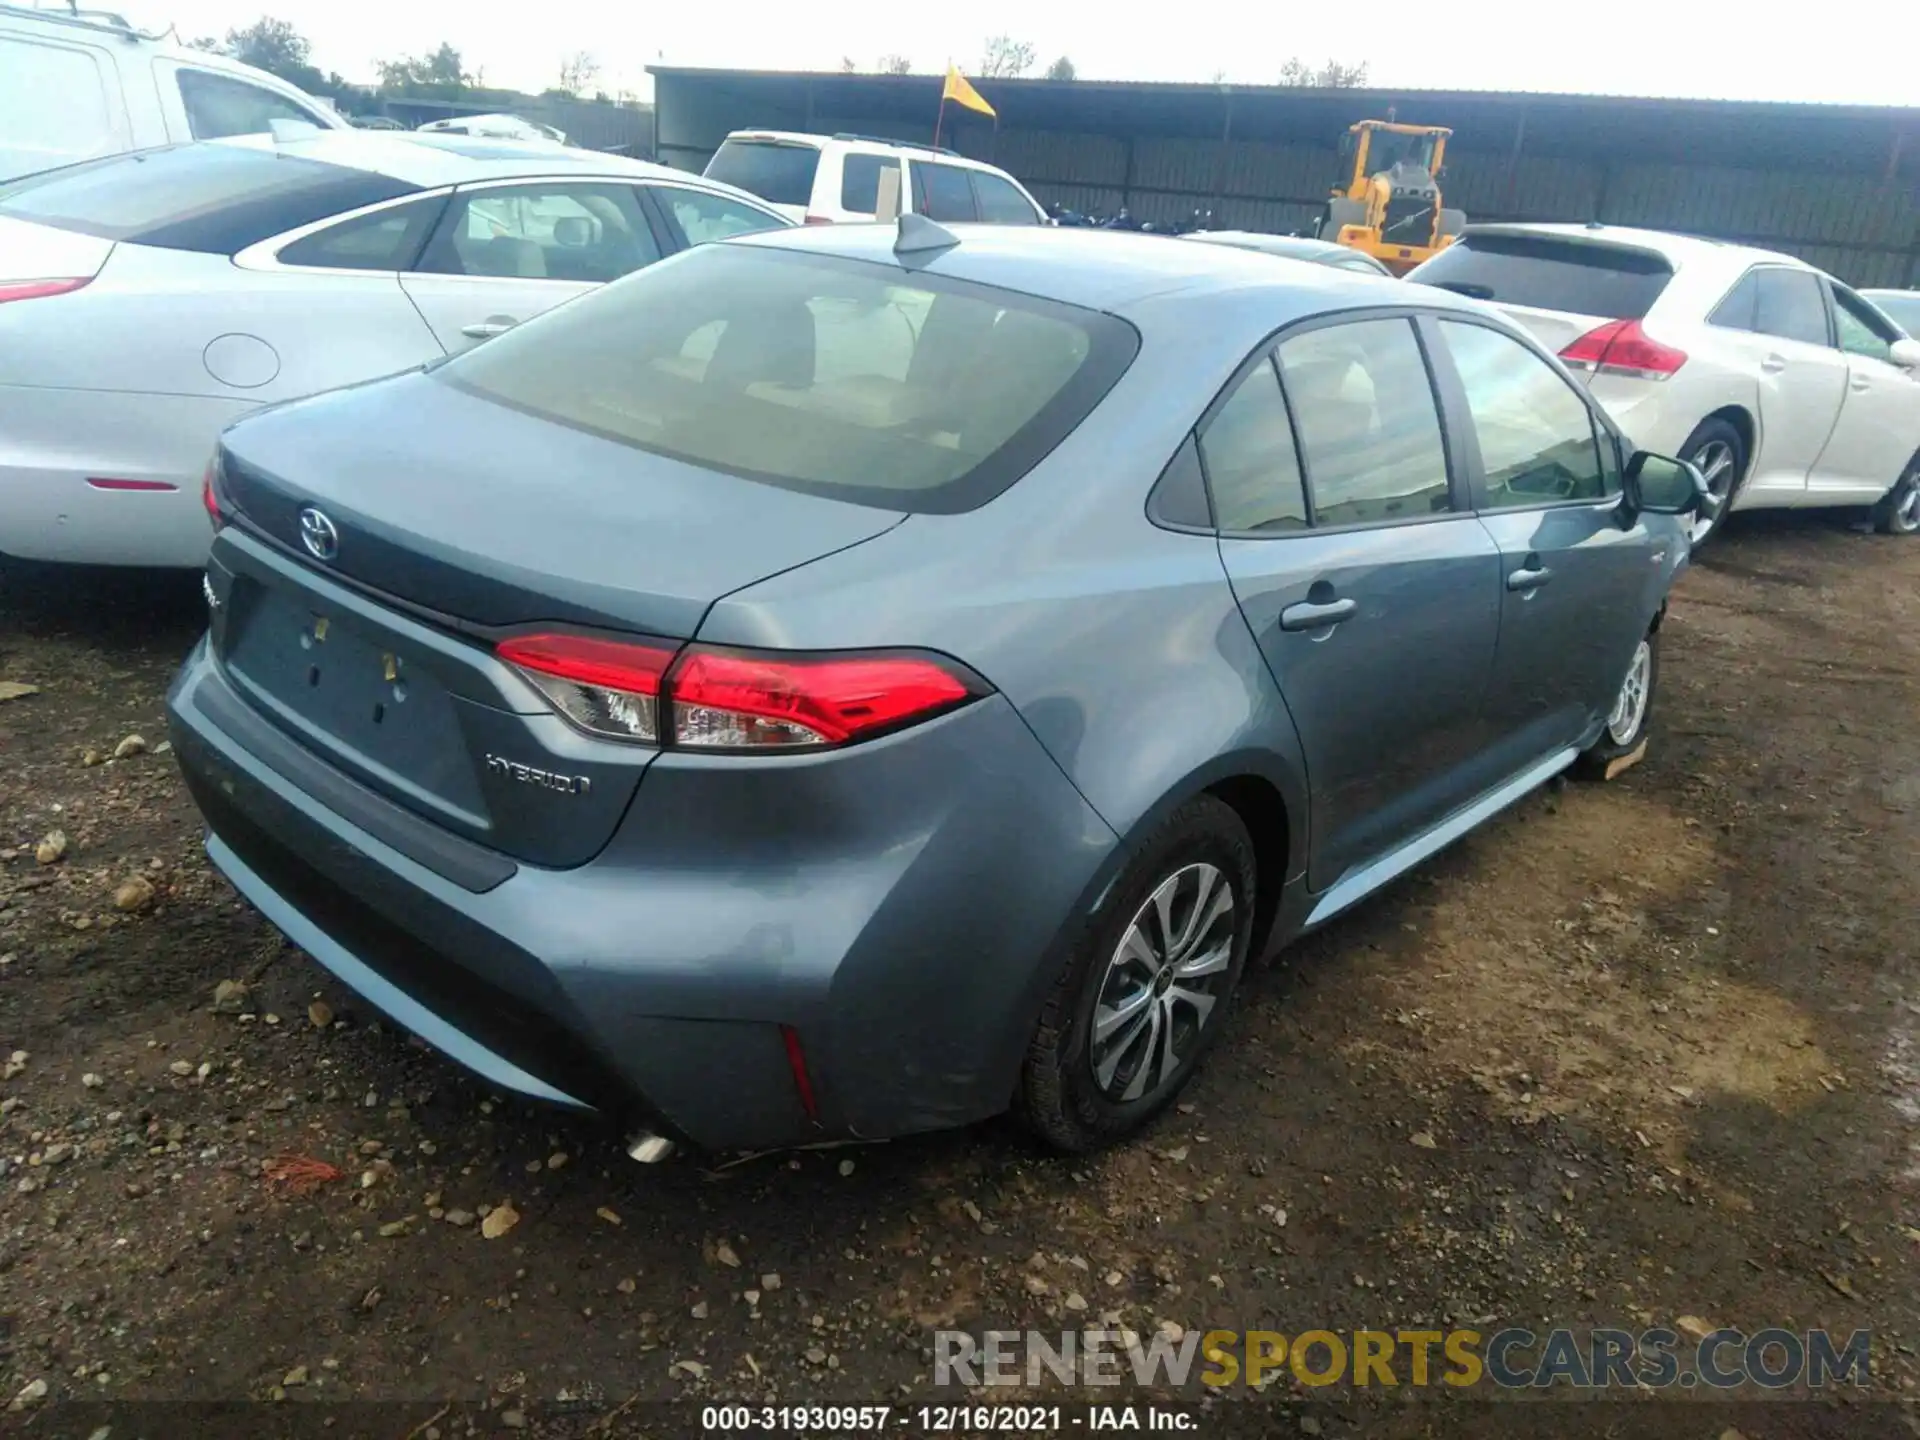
[(1162, 984), (1630, 709), (1715, 462), (1905, 504)]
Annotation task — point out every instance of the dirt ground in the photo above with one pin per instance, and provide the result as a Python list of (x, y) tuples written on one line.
[(1632, 1052)]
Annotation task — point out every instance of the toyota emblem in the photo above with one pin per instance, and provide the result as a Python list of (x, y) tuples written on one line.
[(318, 534)]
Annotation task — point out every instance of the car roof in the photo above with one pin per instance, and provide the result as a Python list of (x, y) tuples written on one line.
[(1112, 270), (1676, 249), (429, 160)]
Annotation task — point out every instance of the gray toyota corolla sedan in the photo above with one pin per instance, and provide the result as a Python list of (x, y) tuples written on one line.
[(854, 681)]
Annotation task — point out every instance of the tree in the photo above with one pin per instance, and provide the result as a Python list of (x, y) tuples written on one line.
[(1061, 69), (578, 71), (1005, 57), (847, 65), (271, 45), (440, 74), (895, 65), (1331, 76)]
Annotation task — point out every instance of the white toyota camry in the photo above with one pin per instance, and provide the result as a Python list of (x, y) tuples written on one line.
[(147, 300), (1781, 384)]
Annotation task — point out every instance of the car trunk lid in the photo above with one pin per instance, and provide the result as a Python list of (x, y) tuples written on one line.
[(31, 252)]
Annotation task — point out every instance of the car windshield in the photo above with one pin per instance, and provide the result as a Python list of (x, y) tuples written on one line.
[(1387, 148), (211, 197), (775, 170), (1546, 273), (858, 381)]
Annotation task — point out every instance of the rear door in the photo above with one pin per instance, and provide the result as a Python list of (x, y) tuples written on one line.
[(504, 253), (1373, 596), (1879, 427), (1545, 479), (60, 102), (942, 192), (1775, 326)]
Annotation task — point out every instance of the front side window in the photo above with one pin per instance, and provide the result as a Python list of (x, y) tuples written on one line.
[(843, 378), (1788, 304), (1860, 331), (220, 105), (1000, 202), (555, 231), (941, 192), (1369, 426), (1537, 440), (704, 216), (385, 240), (1252, 470), (860, 181)]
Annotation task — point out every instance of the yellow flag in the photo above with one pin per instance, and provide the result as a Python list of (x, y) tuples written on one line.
[(958, 90)]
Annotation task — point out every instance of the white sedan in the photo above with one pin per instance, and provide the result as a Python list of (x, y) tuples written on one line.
[(148, 300), (1782, 385)]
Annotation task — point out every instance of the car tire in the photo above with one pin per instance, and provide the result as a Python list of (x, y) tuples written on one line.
[(1078, 1093), (1626, 728), (1898, 512), (1717, 448)]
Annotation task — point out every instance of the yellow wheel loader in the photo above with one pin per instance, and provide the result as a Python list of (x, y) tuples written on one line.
[(1390, 207)]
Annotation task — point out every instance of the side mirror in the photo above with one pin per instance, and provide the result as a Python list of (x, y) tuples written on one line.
[(1660, 485), (1905, 353)]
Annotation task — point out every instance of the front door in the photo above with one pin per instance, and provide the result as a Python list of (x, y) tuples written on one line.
[(505, 253), (1574, 572), (1879, 427), (1374, 600)]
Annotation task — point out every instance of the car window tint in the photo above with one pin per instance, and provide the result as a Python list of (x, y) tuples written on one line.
[(860, 181), (385, 240), (1788, 304), (859, 381), (773, 170), (1536, 435), (212, 198), (1860, 331), (1547, 273), (1179, 496), (1000, 202), (704, 216), (942, 191), (552, 231), (1736, 312), (1369, 428), (1252, 470), (219, 105)]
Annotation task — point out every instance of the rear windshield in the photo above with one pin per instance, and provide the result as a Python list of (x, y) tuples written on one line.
[(771, 169), (843, 378), (1548, 274), (211, 197)]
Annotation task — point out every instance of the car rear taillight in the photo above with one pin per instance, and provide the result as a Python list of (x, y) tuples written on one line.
[(1621, 347), (606, 687), (210, 493), (39, 289), (733, 700)]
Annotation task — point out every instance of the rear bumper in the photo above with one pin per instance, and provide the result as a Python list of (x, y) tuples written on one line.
[(902, 905)]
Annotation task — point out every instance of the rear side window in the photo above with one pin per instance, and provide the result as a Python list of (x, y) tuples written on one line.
[(941, 192), (772, 170), (1788, 304), (1000, 202), (219, 105), (857, 381), (1736, 312), (211, 198), (388, 239), (551, 230), (860, 181), (1542, 273), (1252, 471), (1369, 427)]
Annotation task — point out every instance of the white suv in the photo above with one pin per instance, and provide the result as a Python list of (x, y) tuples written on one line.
[(821, 179), (1783, 386), (79, 84)]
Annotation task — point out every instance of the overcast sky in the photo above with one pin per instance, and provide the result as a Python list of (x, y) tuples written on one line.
[(1700, 48)]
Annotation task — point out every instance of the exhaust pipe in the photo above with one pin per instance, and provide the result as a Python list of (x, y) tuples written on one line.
[(648, 1148)]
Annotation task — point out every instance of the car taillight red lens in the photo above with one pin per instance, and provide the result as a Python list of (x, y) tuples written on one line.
[(606, 687), (726, 700), (1621, 347), (210, 493), (39, 289), (710, 699)]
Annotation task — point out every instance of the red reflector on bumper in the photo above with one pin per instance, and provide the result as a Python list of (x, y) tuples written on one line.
[(105, 484)]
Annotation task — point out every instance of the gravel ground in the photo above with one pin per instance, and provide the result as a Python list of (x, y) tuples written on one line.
[(1632, 1053)]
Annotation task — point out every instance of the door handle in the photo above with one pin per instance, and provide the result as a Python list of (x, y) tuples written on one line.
[(1773, 365), (487, 329), (1307, 615), (1860, 382), (1529, 578)]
